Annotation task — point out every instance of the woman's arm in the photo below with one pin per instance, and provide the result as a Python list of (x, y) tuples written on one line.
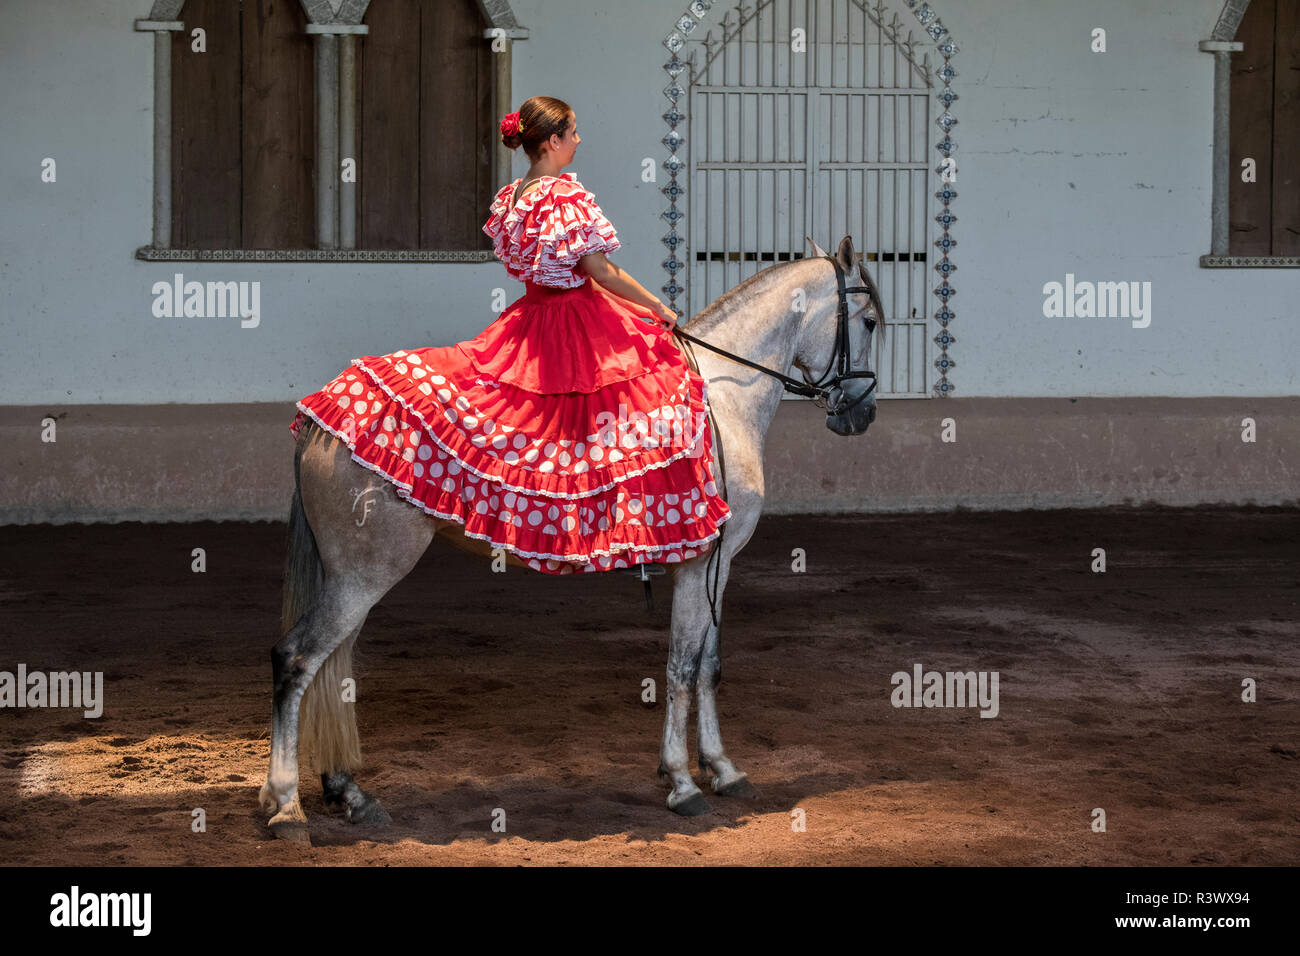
[(623, 285)]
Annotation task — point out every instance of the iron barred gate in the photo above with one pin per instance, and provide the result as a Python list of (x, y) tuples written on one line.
[(824, 135)]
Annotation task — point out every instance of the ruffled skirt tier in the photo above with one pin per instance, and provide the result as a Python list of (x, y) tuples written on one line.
[(569, 432)]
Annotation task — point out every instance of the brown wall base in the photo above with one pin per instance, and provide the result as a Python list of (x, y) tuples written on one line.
[(235, 462)]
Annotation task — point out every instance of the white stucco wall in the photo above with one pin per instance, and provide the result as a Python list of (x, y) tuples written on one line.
[(1069, 162)]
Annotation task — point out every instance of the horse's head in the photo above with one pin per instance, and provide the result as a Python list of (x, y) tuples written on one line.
[(851, 406)]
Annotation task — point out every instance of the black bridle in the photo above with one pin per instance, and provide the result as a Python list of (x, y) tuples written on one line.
[(822, 390)]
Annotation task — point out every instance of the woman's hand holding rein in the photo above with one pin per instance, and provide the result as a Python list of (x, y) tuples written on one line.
[(665, 314)]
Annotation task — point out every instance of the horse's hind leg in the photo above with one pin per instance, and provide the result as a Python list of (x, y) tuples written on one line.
[(365, 539), (339, 788), (339, 609)]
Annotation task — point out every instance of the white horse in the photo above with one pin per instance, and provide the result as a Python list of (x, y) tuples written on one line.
[(797, 313)]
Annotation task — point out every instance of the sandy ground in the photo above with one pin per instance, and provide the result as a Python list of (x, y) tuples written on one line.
[(522, 692)]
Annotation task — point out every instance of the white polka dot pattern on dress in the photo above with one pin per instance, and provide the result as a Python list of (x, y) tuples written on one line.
[(628, 487)]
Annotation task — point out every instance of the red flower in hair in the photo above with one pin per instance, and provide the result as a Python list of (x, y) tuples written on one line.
[(510, 125)]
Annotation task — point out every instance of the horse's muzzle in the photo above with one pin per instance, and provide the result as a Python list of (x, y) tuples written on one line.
[(855, 419), (853, 422)]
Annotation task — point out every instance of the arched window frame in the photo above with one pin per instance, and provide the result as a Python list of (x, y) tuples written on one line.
[(334, 28), (1222, 44)]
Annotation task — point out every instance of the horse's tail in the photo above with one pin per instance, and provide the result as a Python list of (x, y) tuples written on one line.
[(327, 725)]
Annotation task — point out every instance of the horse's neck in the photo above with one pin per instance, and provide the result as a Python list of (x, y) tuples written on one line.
[(760, 327), (757, 326)]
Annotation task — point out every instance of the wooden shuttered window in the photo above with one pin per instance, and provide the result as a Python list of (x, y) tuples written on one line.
[(243, 154), (243, 127), (1264, 216), (426, 130)]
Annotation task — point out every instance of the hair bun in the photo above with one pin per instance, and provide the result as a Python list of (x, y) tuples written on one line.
[(511, 130), (547, 117)]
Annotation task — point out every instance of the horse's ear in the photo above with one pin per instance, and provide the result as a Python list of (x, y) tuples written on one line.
[(816, 249), (845, 254)]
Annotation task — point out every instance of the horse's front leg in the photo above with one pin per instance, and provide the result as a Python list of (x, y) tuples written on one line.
[(690, 620), (727, 780)]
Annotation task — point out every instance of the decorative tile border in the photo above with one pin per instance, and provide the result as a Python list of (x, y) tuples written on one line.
[(1250, 262), (926, 16), (150, 254)]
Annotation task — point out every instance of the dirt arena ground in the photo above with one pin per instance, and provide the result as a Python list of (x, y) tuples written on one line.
[(522, 691)]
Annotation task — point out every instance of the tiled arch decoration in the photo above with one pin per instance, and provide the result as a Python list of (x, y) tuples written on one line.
[(694, 17)]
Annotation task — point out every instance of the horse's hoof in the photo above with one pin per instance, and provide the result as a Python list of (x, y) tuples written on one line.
[(291, 830), (370, 813), (692, 806), (740, 787), (291, 823)]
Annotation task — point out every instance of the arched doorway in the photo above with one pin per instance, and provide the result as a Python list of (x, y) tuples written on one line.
[(820, 118)]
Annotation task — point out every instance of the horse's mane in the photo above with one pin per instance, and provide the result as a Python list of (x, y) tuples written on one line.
[(738, 296)]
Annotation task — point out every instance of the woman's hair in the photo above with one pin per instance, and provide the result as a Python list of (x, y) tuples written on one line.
[(539, 118)]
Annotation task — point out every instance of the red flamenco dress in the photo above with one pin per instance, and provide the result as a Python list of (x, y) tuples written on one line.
[(570, 431)]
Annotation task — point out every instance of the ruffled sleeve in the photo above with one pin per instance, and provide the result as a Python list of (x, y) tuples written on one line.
[(543, 236), (574, 226), (495, 227)]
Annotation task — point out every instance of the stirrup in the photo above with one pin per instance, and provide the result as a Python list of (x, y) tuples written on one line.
[(645, 572)]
